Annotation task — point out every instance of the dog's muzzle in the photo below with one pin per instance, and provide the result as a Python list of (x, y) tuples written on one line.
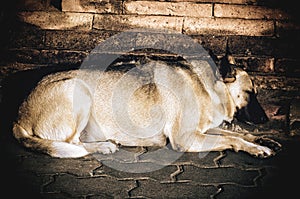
[(253, 112)]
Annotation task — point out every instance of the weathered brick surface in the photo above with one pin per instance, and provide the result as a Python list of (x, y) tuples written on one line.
[(248, 12), (125, 22), (168, 8), (289, 67), (92, 6), (287, 29), (223, 26), (81, 41), (57, 20)]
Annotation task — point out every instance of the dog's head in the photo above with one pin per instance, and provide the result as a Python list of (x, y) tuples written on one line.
[(242, 91)]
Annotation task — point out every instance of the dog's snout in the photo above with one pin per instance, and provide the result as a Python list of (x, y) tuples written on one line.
[(253, 112), (263, 119)]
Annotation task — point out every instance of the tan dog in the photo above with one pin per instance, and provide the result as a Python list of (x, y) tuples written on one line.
[(75, 113)]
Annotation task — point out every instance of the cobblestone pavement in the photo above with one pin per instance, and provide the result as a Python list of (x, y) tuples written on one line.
[(193, 175)]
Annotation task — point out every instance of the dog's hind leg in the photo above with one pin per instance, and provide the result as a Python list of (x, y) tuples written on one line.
[(53, 117), (54, 148)]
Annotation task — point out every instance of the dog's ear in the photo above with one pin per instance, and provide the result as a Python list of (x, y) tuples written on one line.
[(214, 57), (226, 66)]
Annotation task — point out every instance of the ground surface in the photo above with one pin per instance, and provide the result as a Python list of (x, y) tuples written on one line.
[(125, 174)]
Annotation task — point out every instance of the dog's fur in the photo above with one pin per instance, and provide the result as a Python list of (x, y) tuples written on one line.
[(68, 107)]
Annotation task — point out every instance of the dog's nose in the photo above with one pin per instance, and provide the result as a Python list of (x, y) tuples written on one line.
[(264, 119)]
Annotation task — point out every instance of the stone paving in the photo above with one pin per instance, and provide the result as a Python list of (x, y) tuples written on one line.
[(134, 172)]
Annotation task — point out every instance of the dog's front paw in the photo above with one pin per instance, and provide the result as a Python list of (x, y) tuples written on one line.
[(264, 141), (264, 152), (107, 148)]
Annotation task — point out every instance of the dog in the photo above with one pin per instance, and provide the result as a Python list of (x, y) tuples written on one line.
[(75, 113)]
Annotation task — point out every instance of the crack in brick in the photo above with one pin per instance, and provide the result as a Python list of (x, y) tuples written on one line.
[(137, 184), (173, 176), (218, 158), (140, 153), (219, 190), (258, 178), (51, 180), (95, 172)]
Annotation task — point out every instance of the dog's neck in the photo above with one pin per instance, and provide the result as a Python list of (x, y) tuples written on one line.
[(227, 101), (230, 107)]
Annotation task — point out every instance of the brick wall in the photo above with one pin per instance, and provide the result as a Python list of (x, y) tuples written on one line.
[(263, 35)]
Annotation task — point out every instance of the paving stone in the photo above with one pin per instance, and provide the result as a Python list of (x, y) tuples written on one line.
[(123, 155), (25, 184), (234, 191), (218, 175), (137, 170), (244, 160), (154, 189), (96, 186), (204, 160), (44, 164)]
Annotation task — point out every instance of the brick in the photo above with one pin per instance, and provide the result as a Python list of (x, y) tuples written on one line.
[(289, 67), (104, 187), (276, 82), (217, 44), (260, 46), (75, 40), (57, 20), (252, 46), (256, 64), (138, 170), (285, 47), (287, 29), (26, 36), (50, 57), (248, 12), (34, 5), (235, 191), (202, 159), (91, 6), (154, 189), (168, 8), (219, 1), (125, 22), (222, 26), (80, 167), (294, 117), (62, 57), (220, 175)]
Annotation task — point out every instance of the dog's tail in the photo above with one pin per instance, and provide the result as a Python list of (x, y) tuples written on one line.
[(51, 147)]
